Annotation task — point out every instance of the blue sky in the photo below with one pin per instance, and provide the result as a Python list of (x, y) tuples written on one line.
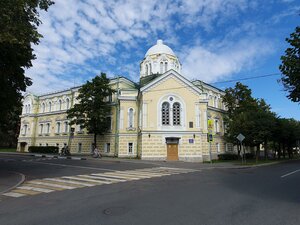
[(215, 40)]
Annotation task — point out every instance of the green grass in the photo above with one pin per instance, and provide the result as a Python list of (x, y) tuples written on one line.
[(8, 149)]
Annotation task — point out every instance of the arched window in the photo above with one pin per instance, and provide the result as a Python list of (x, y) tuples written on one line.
[(50, 106), (58, 127), (165, 113), (28, 108), (176, 113), (67, 103), (25, 109), (59, 104), (150, 66), (48, 128), (41, 128), (146, 69), (216, 102), (166, 66), (216, 126), (161, 67), (43, 107), (130, 117), (66, 127)]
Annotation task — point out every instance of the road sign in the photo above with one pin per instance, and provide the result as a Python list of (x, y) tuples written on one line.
[(240, 137)]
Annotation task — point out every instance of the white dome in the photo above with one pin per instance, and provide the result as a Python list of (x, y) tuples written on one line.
[(160, 48)]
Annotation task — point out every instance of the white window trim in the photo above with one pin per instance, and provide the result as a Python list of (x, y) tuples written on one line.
[(128, 118), (176, 98), (132, 153)]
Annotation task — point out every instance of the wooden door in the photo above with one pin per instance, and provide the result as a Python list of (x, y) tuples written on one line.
[(172, 152)]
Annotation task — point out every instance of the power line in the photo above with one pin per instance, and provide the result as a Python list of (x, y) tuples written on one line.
[(246, 78), (219, 82)]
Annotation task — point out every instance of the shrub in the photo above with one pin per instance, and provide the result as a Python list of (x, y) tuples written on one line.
[(249, 155), (43, 149), (227, 156)]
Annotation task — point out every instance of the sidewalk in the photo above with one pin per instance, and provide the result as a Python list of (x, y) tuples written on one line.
[(10, 180)]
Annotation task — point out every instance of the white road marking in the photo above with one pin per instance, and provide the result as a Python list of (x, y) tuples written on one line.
[(101, 178), (14, 194), (35, 189), (48, 185), (64, 181), (51, 184), (88, 180), (285, 175), (117, 176)]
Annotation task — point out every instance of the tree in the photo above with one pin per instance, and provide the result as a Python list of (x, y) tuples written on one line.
[(290, 67), (93, 107), (249, 116), (19, 20)]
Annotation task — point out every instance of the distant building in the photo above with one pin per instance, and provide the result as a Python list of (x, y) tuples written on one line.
[(163, 117)]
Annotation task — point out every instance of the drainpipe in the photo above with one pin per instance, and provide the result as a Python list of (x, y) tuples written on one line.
[(117, 120)]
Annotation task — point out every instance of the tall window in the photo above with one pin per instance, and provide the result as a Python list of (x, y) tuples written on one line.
[(50, 106), (150, 69), (107, 147), (166, 66), (130, 148), (216, 126), (43, 107), (29, 108), (176, 113), (48, 128), (216, 102), (66, 127), (59, 104), (79, 147), (165, 113), (41, 128), (130, 117), (25, 129), (146, 69), (161, 67), (67, 103), (58, 127)]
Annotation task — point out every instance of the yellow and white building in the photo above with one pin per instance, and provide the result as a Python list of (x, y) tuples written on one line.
[(163, 117)]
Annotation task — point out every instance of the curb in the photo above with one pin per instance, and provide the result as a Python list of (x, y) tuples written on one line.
[(23, 178), (58, 157)]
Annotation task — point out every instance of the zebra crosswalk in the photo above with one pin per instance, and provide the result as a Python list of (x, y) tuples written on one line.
[(48, 185)]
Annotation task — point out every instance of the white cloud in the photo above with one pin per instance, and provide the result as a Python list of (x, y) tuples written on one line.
[(83, 37), (222, 62)]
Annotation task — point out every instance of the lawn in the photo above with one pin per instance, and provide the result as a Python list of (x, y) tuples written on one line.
[(8, 149)]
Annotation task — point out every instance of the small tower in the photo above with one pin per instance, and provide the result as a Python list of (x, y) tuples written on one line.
[(159, 59)]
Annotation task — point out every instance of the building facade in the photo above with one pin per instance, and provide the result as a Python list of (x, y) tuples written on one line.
[(163, 117)]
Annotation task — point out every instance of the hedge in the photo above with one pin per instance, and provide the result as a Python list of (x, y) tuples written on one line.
[(227, 156), (43, 149)]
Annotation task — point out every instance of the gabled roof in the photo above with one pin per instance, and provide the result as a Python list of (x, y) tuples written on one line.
[(171, 72)]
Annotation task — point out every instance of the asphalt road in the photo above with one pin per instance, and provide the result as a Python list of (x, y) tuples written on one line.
[(264, 195)]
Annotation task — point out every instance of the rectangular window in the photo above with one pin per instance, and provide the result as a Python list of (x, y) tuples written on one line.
[(109, 123), (191, 124), (130, 148), (218, 147), (79, 147), (107, 147)]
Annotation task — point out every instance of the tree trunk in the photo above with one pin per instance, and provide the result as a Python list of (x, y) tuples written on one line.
[(279, 150), (95, 140), (283, 150), (257, 152), (266, 149)]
